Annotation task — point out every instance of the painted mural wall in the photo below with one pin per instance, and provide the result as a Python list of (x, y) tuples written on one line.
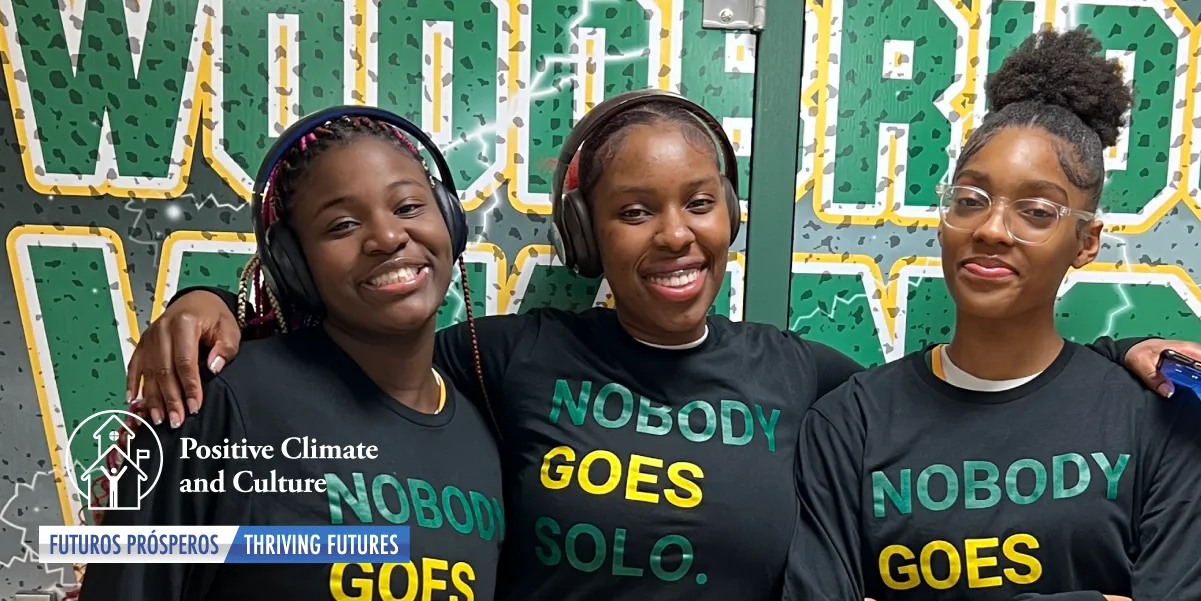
[(131, 130), (891, 90)]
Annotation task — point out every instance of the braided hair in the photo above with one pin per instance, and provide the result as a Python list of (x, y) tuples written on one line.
[(265, 314)]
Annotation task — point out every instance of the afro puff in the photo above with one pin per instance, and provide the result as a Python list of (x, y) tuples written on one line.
[(1067, 70), (1059, 82)]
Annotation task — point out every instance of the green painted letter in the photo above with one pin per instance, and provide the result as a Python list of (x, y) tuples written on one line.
[(577, 409), (727, 423), (989, 483), (424, 506), (646, 411), (710, 421), (549, 554), (338, 492), (598, 408), (619, 555), (1059, 478), (1113, 472), (882, 486), (598, 543), (1011, 481), (923, 487), (685, 557), (769, 426), (381, 503)]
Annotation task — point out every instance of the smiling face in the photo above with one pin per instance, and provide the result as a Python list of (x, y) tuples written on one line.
[(373, 237), (663, 232), (988, 273)]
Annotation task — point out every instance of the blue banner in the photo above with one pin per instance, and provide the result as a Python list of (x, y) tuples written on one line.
[(320, 544), (223, 544)]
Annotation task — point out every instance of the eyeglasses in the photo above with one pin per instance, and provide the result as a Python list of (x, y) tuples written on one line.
[(1028, 220)]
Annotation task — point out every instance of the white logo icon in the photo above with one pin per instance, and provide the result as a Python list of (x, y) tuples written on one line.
[(105, 428)]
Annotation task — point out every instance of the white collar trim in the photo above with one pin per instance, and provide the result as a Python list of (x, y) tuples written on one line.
[(679, 347)]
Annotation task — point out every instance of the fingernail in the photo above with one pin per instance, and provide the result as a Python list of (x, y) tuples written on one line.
[(217, 364), (175, 420), (1166, 389), (193, 406), (156, 416)]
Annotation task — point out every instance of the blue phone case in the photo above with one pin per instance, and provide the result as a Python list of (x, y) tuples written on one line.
[(1181, 374)]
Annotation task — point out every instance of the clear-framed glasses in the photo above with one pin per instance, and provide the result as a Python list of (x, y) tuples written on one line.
[(1028, 220)]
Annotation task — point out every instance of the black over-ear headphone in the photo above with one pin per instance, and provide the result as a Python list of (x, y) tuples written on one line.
[(284, 266), (575, 241)]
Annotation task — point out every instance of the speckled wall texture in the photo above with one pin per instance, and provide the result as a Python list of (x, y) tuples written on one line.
[(130, 131)]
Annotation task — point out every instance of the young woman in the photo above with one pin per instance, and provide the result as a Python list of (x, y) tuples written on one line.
[(1009, 463), (649, 449), (362, 428)]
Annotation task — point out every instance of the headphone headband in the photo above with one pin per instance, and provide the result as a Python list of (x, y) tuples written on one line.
[(596, 118), (308, 123), (571, 220)]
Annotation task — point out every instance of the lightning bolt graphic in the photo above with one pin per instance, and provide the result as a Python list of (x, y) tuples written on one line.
[(173, 213), (1127, 304), (539, 88), (558, 85), (211, 201), (484, 209), (831, 314)]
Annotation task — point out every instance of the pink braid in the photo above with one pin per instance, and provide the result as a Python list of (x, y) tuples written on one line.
[(270, 197), (404, 140), (306, 140), (407, 143)]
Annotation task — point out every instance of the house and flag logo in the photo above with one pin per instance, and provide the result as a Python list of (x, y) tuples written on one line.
[(133, 461)]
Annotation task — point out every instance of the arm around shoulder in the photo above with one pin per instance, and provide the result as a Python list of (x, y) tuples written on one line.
[(229, 298), (1170, 518), (495, 338), (831, 367), (1115, 350), (824, 560)]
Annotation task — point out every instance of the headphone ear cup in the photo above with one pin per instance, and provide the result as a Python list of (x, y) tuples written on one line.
[(559, 241), (734, 206), (290, 272), (563, 228), (454, 216), (579, 237)]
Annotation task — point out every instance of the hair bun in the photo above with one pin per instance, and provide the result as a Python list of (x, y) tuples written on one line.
[(1065, 69)]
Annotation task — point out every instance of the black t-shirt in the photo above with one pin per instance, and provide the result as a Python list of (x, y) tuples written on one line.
[(439, 474), (705, 511), (641, 472), (1077, 484)]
